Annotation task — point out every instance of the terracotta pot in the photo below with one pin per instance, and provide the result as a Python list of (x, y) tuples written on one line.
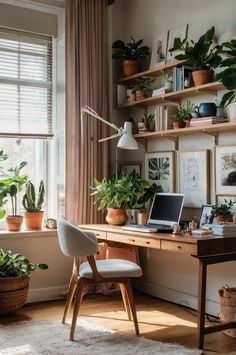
[(201, 77), (224, 218), (177, 125), (187, 123), (130, 67), (140, 95), (33, 220), (13, 293), (142, 217), (14, 223), (116, 216)]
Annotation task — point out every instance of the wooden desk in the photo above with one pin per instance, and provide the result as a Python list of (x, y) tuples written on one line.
[(210, 250)]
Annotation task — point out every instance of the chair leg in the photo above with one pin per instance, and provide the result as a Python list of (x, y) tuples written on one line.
[(78, 299), (130, 294), (69, 298), (125, 300)]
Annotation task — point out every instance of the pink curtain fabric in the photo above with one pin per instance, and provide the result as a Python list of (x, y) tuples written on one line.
[(87, 84)]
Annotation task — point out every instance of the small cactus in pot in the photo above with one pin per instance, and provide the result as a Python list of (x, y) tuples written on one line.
[(33, 216)]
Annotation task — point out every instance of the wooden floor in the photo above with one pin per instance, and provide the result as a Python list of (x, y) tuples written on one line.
[(158, 320)]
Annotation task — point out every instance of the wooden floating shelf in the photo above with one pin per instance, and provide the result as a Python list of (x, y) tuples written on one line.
[(210, 88), (212, 129)]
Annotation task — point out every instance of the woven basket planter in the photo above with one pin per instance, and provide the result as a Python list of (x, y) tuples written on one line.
[(13, 293), (228, 308)]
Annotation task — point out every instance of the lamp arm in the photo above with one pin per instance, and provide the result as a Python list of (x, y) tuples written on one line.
[(91, 112)]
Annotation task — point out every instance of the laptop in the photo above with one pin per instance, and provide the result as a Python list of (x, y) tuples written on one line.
[(166, 210)]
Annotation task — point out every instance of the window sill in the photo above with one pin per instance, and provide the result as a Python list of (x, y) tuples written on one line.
[(4, 234)]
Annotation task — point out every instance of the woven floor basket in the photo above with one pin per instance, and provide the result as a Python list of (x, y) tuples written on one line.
[(228, 308), (13, 293)]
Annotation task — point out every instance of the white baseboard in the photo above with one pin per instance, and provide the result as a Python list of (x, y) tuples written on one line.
[(175, 296), (46, 294)]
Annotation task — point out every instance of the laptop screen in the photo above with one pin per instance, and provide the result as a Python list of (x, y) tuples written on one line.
[(166, 209)]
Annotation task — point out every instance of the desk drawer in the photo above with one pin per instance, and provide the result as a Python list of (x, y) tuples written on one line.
[(178, 246), (99, 234), (134, 240)]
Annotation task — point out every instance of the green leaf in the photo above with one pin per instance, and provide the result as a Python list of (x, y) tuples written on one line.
[(228, 78), (228, 98)]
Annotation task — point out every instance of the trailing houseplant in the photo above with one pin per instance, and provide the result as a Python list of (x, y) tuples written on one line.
[(223, 213), (15, 270), (142, 87), (202, 54), (33, 205), (130, 55)]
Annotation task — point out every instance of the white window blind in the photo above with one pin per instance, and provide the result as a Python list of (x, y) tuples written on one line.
[(25, 84)]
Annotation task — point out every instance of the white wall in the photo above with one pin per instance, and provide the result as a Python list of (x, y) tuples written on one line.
[(166, 274)]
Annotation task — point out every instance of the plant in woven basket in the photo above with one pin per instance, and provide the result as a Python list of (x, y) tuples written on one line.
[(33, 205)]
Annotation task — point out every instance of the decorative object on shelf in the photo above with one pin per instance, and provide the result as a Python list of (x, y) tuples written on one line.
[(228, 78), (159, 49), (126, 140), (159, 169), (180, 32), (225, 169), (130, 96), (168, 75), (203, 55), (193, 177), (223, 213), (206, 109), (15, 270), (206, 216), (183, 115), (147, 123), (130, 55), (51, 223), (33, 216), (142, 87)]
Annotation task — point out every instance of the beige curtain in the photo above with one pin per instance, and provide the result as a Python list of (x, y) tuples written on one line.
[(87, 84)]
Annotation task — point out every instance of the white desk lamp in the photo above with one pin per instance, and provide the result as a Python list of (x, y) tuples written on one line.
[(126, 140)]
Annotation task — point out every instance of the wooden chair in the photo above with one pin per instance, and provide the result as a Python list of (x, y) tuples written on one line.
[(76, 243)]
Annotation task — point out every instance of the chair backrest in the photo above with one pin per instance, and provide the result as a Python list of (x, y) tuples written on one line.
[(74, 242)]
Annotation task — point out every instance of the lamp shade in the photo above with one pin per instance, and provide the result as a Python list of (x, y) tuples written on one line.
[(127, 140)]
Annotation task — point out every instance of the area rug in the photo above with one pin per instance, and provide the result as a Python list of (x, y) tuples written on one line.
[(51, 337)]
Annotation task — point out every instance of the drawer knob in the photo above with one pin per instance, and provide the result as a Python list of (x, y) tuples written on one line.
[(131, 239), (147, 242), (179, 247)]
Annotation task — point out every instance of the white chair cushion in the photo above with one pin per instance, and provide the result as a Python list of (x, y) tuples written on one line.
[(111, 268)]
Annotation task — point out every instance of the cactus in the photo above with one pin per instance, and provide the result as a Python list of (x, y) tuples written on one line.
[(29, 199)]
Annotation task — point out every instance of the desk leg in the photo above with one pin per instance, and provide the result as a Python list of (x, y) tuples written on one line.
[(202, 275)]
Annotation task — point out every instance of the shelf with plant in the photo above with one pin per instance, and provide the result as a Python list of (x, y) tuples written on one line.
[(223, 213), (183, 116)]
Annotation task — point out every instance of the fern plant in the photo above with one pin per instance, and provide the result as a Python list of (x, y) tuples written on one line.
[(30, 203)]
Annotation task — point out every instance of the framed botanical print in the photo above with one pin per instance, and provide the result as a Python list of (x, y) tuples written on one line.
[(130, 167), (178, 32), (159, 49), (159, 169), (225, 170), (193, 177)]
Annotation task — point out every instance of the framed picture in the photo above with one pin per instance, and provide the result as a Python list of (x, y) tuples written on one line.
[(225, 170), (129, 167), (205, 217), (193, 177), (178, 32), (159, 49), (159, 169)]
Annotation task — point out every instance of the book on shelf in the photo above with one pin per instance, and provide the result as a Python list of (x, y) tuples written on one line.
[(163, 114), (200, 121), (182, 77)]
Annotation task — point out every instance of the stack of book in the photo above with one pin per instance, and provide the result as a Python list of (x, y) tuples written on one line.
[(224, 229), (182, 77), (201, 121)]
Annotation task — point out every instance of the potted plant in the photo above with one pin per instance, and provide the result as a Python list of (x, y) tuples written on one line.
[(223, 213), (168, 75), (33, 216), (15, 270), (147, 195), (130, 55), (114, 194), (146, 123), (203, 55), (228, 78), (142, 87), (183, 116)]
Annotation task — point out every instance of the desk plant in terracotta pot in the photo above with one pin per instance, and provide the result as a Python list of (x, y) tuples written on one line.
[(202, 54), (114, 194), (146, 196), (131, 55), (15, 270), (33, 216), (223, 213)]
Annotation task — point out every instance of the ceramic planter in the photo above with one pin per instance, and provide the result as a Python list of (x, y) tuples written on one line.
[(130, 67), (201, 77), (231, 111), (116, 216), (14, 223), (33, 220)]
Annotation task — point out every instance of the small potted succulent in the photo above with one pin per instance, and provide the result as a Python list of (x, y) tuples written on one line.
[(130, 55), (146, 123), (15, 270), (34, 215), (183, 116), (223, 213), (142, 87), (203, 55)]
